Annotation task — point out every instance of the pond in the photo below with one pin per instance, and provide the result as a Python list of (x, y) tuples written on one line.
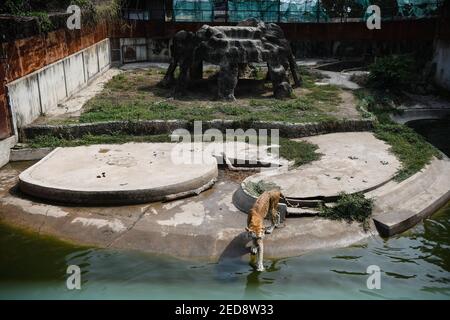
[(436, 131), (413, 265)]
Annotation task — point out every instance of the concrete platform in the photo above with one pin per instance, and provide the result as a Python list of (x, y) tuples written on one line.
[(351, 162), (206, 227), (116, 174), (137, 172), (28, 154), (399, 206)]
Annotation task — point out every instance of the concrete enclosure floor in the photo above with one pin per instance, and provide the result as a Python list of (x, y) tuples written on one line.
[(209, 226), (351, 162)]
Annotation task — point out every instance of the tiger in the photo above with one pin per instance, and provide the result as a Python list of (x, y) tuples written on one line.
[(266, 203)]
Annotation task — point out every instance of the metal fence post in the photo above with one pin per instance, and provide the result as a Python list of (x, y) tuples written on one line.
[(279, 11), (318, 11), (226, 11)]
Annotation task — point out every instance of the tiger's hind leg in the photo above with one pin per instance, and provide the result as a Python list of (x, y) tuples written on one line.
[(274, 216)]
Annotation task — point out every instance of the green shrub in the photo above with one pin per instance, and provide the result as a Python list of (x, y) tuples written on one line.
[(350, 207), (44, 22), (391, 72)]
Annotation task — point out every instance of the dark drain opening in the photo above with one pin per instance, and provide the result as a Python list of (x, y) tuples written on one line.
[(251, 164)]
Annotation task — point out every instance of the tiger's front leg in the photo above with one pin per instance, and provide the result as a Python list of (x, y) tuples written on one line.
[(254, 247), (260, 255)]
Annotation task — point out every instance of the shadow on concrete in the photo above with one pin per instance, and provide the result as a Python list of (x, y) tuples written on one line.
[(236, 248)]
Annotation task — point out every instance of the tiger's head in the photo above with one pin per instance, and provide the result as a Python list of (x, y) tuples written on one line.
[(255, 227)]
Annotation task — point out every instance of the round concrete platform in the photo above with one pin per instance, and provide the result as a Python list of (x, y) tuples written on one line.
[(351, 162), (116, 174)]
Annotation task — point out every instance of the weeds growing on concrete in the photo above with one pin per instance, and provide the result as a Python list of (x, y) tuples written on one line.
[(301, 152), (350, 207), (135, 96), (410, 148), (48, 141), (413, 151)]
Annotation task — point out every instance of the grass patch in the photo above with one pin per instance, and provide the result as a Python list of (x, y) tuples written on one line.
[(301, 152), (47, 141), (133, 95), (106, 110), (350, 207), (258, 188), (298, 110), (378, 103), (413, 151)]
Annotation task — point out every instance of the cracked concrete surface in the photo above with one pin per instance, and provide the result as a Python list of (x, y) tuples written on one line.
[(206, 227), (351, 162), (209, 227)]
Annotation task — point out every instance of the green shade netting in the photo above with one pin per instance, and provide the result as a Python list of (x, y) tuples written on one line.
[(287, 10), (266, 11), (302, 11), (417, 8), (193, 10)]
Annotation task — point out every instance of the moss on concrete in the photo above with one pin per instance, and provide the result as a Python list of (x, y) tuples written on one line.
[(413, 151)]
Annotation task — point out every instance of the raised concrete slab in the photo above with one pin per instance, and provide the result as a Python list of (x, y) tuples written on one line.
[(5, 149), (138, 172), (28, 154), (351, 162), (422, 107), (207, 226), (400, 206), (115, 174)]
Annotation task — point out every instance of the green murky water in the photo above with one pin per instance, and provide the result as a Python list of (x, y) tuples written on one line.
[(436, 131), (413, 265)]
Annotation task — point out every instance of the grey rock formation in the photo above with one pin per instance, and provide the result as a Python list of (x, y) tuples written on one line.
[(232, 47)]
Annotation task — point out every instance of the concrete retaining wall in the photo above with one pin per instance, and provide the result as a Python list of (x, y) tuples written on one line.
[(420, 114), (442, 60), (42, 90), (151, 127), (5, 149)]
